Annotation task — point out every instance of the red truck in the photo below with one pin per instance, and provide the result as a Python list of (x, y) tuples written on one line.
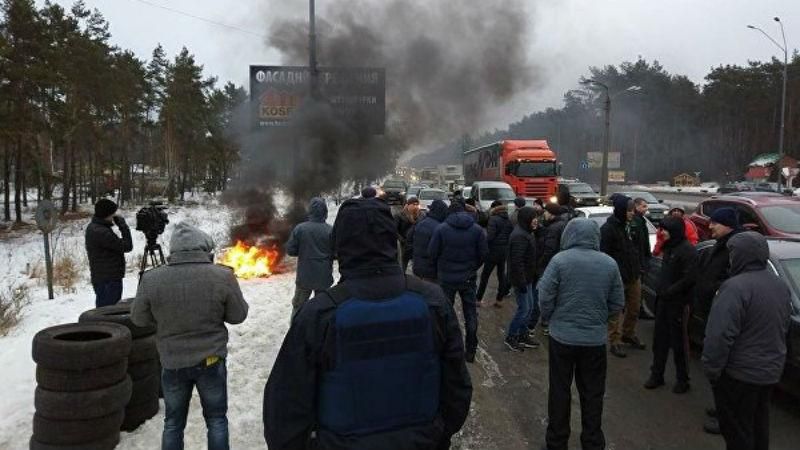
[(530, 167)]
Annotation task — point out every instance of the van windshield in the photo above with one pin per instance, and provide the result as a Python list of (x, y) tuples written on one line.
[(492, 194)]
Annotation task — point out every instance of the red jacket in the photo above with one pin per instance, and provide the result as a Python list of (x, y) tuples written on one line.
[(691, 236)]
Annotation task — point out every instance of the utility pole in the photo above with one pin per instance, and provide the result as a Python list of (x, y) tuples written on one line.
[(606, 147), (785, 50), (312, 49)]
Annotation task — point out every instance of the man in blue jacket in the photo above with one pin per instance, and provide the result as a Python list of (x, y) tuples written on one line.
[(424, 266), (310, 242), (459, 247), (580, 289)]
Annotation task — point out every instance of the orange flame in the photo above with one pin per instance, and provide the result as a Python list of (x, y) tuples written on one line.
[(250, 261)]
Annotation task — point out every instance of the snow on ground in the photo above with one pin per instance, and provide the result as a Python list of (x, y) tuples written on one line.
[(253, 344)]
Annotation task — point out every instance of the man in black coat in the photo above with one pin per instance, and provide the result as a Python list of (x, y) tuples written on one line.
[(673, 295), (555, 220), (522, 276), (497, 234), (106, 252), (616, 240), (405, 224), (342, 377)]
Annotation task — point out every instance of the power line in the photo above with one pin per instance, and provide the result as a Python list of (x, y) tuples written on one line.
[(203, 19)]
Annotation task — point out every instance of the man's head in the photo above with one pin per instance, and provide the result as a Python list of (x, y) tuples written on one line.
[(723, 222), (188, 238), (673, 229), (412, 205), (456, 206), (526, 217), (677, 212), (317, 210), (496, 203), (369, 192), (365, 237), (623, 208), (640, 205), (105, 209), (519, 202), (551, 210)]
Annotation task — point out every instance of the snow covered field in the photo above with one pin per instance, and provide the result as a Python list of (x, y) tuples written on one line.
[(253, 344)]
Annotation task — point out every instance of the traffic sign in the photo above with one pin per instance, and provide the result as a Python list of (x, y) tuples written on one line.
[(46, 216), (584, 165)]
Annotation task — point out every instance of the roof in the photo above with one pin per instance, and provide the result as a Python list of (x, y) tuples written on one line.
[(755, 199), (490, 184), (765, 159), (592, 210)]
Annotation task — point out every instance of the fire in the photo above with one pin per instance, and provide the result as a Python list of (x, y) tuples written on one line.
[(250, 261)]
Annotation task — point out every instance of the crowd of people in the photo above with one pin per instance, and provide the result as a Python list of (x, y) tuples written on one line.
[(380, 361)]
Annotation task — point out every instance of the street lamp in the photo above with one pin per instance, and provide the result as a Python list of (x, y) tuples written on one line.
[(785, 50), (607, 146)]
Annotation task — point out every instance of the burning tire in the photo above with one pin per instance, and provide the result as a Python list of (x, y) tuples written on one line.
[(119, 313), (75, 432), (83, 405), (107, 443), (81, 346), (81, 380)]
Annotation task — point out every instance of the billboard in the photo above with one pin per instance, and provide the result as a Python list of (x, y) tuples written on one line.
[(357, 94), (595, 160), (616, 176)]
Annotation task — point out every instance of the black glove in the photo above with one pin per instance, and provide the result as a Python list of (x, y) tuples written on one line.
[(120, 221)]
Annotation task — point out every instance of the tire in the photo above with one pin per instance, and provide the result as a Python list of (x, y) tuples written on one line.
[(107, 443), (119, 313), (81, 346), (143, 349), (136, 415), (144, 369), (81, 380), (74, 432), (145, 389), (83, 405)]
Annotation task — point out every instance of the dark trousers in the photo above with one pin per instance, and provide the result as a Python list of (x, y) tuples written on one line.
[(212, 386), (107, 293), (470, 308), (670, 334), (536, 312), (743, 413), (488, 268), (587, 365)]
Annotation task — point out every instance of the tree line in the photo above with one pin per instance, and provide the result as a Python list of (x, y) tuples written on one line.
[(81, 118), (668, 126)]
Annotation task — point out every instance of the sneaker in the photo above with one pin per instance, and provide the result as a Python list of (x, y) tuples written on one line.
[(681, 387), (654, 382), (617, 351), (711, 426), (634, 342), (469, 356), (545, 330), (512, 342), (711, 412), (526, 340)]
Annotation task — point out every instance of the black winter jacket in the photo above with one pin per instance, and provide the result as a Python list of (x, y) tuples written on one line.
[(106, 250), (497, 233), (616, 242), (404, 226), (522, 251), (677, 269), (713, 268), (550, 239), (641, 237)]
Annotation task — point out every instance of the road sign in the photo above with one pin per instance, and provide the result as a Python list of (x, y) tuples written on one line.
[(595, 160), (46, 217), (584, 165), (356, 94)]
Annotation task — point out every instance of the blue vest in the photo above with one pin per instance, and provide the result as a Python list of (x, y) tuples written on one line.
[(386, 370)]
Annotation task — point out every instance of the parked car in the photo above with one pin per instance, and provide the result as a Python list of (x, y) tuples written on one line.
[(601, 213), (656, 209), (394, 191), (413, 191), (771, 215), (427, 196), (466, 191), (583, 194), (784, 260)]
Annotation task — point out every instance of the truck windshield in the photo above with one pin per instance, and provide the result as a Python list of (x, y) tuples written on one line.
[(535, 169), (491, 194)]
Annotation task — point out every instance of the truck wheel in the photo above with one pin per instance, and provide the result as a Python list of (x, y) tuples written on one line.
[(83, 405), (119, 313), (107, 443), (144, 369), (143, 349), (80, 380), (73, 432), (81, 346), (136, 415)]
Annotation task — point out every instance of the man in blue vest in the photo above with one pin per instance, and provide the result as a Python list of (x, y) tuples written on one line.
[(376, 362)]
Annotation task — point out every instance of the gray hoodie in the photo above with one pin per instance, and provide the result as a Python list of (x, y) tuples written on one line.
[(311, 243), (749, 319), (189, 301), (580, 288)]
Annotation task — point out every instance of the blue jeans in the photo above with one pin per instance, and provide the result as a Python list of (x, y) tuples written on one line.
[(107, 293), (519, 324), (470, 308), (212, 385), (536, 312)]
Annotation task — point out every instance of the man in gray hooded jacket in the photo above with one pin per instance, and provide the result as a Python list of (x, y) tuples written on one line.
[(310, 242), (189, 300), (744, 350)]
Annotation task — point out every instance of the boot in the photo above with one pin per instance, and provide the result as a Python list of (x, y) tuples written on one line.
[(527, 341), (617, 351), (512, 342), (634, 342), (654, 382), (681, 387)]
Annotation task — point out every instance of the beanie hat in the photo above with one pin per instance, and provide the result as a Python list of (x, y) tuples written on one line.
[(369, 192), (104, 208), (553, 208), (412, 201), (519, 202), (677, 208), (456, 206), (726, 216)]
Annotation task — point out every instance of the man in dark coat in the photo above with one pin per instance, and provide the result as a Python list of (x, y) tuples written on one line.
[(548, 239), (459, 247), (405, 223), (106, 252), (522, 276), (497, 234), (616, 240), (324, 358), (310, 242), (673, 295), (424, 266), (744, 350)]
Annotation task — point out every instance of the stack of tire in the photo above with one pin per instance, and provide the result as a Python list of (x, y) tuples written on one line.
[(144, 367), (82, 386)]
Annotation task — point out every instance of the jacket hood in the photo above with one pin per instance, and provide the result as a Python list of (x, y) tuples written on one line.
[(501, 210), (525, 217), (462, 220), (581, 233), (317, 210), (438, 210), (621, 206), (749, 251), (676, 229), (188, 238), (365, 237)]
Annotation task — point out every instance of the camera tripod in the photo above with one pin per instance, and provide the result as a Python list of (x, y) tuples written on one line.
[(153, 253)]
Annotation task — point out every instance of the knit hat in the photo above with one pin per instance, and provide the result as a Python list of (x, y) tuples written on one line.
[(553, 209), (104, 208), (726, 216), (369, 192), (412, 201), (456, 206), (519, 202), (677, 208)]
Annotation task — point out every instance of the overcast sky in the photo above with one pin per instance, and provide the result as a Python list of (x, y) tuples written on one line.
[(567, 36)]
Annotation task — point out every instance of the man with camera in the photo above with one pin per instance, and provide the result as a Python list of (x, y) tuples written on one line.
[(107, 251)]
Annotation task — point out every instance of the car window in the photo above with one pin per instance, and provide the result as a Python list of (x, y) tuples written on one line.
[(792, 269), (747, 215), (711, 206), (489, 194), (580, 188), (785, 218), (432, 194)]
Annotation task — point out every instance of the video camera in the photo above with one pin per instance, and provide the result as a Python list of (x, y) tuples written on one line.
[(152, 219)]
